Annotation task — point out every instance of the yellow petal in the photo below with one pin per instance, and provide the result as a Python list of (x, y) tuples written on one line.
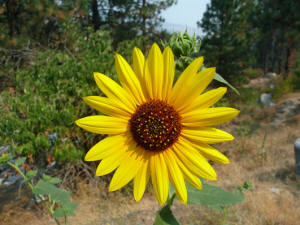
[(138, 63), (148, 82), (129, 166), (206, 100), (114, 91), (208, 117), (176, 176), (107, 106), (156, 69), (128, 79), (187, 174), (192, 159), (110, 163), (185, 78), (206, 135), (211, 153), (159, 177), (192, 90), (141, 179), (103, 124), (169, 72), (106, 147)]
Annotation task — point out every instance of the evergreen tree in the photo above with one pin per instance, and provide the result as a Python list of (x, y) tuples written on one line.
[(41, 21), (277, 24), (130, 18), (227, 36)]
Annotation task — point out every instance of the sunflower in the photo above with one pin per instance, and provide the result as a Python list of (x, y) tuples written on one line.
[(156, 129)]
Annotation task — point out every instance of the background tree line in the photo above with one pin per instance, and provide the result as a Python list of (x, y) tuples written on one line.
[(241, 34), (237, 34), (46, 21)]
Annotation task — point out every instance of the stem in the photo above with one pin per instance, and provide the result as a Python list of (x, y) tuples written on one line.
[(31, 186), (170, 200), (224, 215), (22, 174)]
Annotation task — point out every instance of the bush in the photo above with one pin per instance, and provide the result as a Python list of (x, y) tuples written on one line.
[(44, 99), (252, 73)]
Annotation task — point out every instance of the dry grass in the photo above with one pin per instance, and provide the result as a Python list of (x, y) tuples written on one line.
[(260, 154)]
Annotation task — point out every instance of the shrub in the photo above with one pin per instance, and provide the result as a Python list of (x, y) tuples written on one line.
[(45, 99)]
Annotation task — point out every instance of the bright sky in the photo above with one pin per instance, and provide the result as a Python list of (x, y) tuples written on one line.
[(186, 12)]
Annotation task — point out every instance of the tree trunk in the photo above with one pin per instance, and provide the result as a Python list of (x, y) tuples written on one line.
[(288, 59), (143, 17), (95, 14), (12, 12)]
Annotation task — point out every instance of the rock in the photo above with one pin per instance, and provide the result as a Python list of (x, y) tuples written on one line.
[(297, 144), (4, 149), (266, 100), (52, 137), (11, 180), (274, 190), (64, 139), (297, 157), (270, 75)]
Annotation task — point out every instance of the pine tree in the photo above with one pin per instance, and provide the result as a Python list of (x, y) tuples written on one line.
[(227, 36)]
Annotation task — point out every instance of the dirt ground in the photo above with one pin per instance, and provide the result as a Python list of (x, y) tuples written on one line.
[(261, 154)]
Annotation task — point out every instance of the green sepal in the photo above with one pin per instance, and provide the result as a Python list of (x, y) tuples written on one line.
[(164, 216)]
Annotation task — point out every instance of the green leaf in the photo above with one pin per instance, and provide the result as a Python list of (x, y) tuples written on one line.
[(66, 210), (55, 180), (46, 178), (31, 173), (165, 217), (58, 195), (213, 196), (20, 161), (219, 78), (59, 213), (70, 207), (4, 158)]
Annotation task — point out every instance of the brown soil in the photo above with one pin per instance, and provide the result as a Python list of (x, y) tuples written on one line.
[(260, 154)]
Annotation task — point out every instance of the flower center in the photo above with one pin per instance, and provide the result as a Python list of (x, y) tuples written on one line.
[(155, 125)]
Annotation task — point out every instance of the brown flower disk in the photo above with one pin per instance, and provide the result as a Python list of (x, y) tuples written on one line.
[(155, 125)]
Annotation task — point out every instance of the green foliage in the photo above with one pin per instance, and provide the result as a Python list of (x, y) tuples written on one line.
[(31, 174), (295, 74), (247, 96), (247, 186), (58, 201), (210, 195), (213, 196), (228, 38), (4, 158), (284, 86), (128, 19), (219, 78), (46, 99), (186, 49), (27, 21), (57, 195), (183, 44), (252, 73), (125, 48), (20, 161), (165, 217), (275, 24)]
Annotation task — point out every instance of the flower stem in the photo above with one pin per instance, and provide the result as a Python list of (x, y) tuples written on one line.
[(49, 208)]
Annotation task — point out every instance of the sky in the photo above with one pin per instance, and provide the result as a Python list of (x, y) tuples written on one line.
[(184, 14)]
